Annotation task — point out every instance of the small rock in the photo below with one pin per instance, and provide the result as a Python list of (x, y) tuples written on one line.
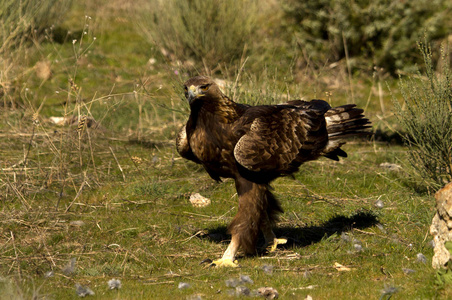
[(59, 120), (379, 204), (155, 159), (246, 279), (268, 269), (381, 227), (391, 167), (70, 267), (83, 291), (199, 201), (233, 282), (408, 271), (358, 247), (306, 274), (114, 284), (421, 258), (341, 268), (346, 237), (388, 291), (49, 274), (183, 285), (78, 223), (268, 292), (242, 291)]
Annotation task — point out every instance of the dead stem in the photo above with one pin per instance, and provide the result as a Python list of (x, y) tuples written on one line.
[(117, 162), (76, 196), (16, 261)]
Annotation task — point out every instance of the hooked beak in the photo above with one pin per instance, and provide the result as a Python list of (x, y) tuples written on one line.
[(193, 93)]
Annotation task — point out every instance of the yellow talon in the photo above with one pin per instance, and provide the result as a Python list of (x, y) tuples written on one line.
[(277, 242), (225, 262)]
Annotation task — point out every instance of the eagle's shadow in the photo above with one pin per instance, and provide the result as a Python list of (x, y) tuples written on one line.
[(298, 236)]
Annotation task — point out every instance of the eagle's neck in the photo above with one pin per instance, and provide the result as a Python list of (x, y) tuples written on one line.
[(223, 109)]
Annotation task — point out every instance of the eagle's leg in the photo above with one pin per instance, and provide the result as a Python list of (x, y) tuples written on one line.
[(244, 228), (268, 220), (228, 259), (270, 238)]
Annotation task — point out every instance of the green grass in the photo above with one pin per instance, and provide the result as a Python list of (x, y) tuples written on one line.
[(145, 232), (116, 198)]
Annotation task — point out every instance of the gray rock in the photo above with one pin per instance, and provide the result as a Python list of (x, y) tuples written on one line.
[(268, 269), (114, 284), (183, 285), (379, 204), (408, 271), (421, 258), (246, 279), (83, 291), (242, 291)]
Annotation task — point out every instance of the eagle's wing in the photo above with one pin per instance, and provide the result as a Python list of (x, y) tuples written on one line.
[(183, 147), (281, 137)]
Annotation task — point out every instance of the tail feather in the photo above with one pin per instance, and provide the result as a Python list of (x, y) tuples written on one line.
[(343, 122)]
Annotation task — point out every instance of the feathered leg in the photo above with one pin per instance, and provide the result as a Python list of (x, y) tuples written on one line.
[(244, 228), (258, 210)]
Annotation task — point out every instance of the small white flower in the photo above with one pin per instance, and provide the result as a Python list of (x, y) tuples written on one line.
[(73, 42)]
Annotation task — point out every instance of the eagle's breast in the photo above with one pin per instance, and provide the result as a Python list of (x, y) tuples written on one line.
[(214, 147)]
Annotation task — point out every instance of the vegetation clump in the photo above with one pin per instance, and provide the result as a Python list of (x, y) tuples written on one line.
[(426, 120), (371, 33)]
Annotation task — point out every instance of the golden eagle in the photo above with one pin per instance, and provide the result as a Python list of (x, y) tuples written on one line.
[(256, 144)]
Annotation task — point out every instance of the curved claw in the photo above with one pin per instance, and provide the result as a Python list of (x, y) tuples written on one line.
[(276, 242), (225, 262)]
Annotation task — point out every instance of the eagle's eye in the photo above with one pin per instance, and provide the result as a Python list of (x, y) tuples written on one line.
[(204, 88)]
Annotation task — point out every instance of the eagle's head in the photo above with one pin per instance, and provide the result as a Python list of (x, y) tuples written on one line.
[(201, 87)]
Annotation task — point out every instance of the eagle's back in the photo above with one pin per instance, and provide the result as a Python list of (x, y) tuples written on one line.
[(264, 142), (280, 138)]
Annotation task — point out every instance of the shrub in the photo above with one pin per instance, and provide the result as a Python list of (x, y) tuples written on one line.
[(376, 33), (21, 21), (426, 119), (19, 18), (207, 32)]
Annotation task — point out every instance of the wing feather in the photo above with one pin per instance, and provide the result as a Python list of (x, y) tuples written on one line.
[(183, 146), (276, 139)]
